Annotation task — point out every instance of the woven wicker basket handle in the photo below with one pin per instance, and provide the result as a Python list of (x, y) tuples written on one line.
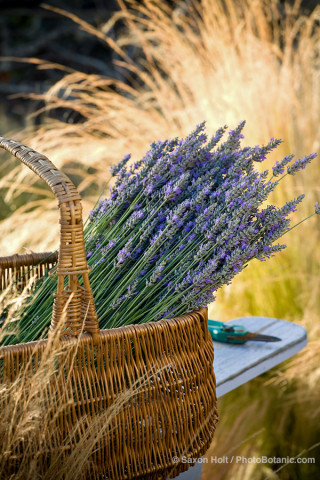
[(73, 304)]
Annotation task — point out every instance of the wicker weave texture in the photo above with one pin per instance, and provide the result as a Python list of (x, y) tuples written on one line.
[(17, 270), (164, 369)]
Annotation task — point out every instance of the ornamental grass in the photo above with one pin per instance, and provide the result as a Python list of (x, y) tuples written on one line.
[(178, 224)]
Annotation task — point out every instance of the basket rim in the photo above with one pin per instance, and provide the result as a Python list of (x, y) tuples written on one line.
[(126, 330), (28, 259)]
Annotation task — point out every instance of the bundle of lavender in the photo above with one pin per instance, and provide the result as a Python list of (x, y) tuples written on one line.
[(178, 225)]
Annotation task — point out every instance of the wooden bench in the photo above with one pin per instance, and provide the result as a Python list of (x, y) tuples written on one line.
[(235, 365)]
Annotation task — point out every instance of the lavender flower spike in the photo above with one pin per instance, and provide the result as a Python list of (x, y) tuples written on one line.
[(300, 164), (179, 223), (278, 168), (115, 169)]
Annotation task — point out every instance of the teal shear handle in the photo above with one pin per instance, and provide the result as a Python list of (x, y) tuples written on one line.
[(224, 332)]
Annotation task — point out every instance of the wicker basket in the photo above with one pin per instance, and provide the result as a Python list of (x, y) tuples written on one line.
[(173, 414)]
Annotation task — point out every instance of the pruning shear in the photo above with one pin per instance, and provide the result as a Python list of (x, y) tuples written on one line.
[(224, 332)]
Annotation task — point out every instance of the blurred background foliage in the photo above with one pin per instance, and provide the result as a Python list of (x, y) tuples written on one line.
[(89, 81)]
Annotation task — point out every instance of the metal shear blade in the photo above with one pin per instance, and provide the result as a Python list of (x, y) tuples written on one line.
[(257, 337)]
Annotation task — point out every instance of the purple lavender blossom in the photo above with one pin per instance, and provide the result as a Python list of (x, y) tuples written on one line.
[(115, 169), (123, 255), (300, 164), (187, 218), (278, 168)]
